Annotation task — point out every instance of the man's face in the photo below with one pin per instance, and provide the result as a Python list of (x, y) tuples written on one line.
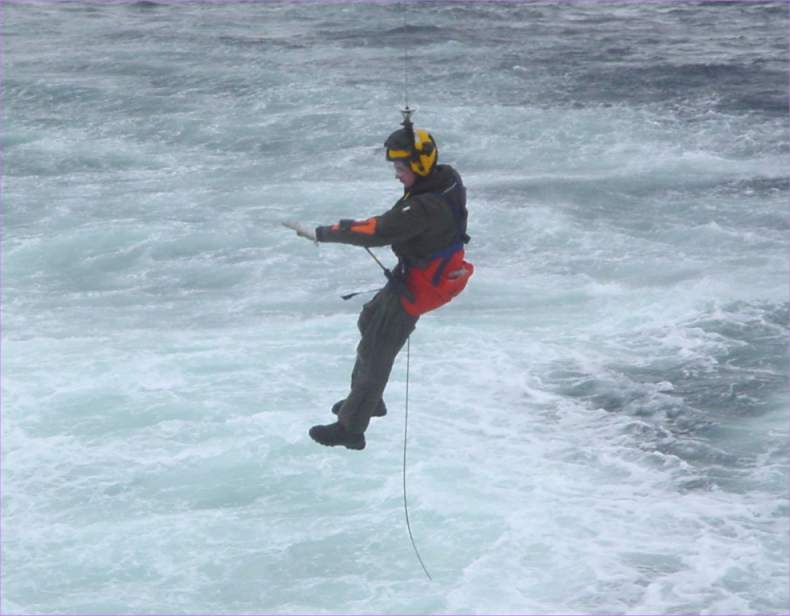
[(404, 175)]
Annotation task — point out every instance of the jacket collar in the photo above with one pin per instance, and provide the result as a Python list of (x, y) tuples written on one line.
[(434, 182)]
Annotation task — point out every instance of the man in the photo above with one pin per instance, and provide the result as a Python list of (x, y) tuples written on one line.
[(427, 231)]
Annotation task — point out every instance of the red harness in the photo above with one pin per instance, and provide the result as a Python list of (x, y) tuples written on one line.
[(431, 291)]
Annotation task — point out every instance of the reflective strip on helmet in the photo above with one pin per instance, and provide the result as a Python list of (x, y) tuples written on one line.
[(398, 154)]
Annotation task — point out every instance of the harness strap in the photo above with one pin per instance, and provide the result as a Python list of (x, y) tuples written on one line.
[(446, 255), (461, 237)]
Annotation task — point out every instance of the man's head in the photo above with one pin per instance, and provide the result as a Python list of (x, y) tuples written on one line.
[(415, 148), (404, 174)]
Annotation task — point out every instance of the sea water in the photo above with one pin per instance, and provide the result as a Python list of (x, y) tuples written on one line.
[(597, 425)]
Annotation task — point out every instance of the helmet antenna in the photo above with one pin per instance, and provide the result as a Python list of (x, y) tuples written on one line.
[(409, 128), (406, 113)]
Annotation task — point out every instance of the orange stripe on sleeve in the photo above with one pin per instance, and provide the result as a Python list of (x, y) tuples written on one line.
[(367, 227)]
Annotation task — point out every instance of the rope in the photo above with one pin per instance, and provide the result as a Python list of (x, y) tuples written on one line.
[(376, 259), (405, 61), (405, 440), (408, 340)]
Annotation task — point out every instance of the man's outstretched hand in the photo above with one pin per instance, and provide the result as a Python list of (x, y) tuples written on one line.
[(302, 230)]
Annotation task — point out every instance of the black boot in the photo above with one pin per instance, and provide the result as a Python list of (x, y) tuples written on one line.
[(380, 411), (335, 434)]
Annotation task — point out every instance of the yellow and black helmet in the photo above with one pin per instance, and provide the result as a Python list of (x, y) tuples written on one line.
[(414, 145)]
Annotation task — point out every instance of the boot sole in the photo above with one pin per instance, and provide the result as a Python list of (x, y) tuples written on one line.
[(357, 446)]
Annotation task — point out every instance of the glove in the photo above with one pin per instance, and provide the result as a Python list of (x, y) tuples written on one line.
[(302, 230)]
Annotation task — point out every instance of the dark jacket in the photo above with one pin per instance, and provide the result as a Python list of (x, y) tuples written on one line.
[(418, 226)]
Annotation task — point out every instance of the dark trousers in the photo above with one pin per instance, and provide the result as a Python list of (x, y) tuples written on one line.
[(385, 326)]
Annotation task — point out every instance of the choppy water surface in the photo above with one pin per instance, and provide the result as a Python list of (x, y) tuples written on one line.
[(599, 424)]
